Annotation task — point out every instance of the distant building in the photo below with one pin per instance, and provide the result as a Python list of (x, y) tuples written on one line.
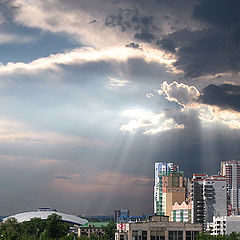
[(231, 169), (92, 228), (97, 217), (209, 197), (170, 187), (158, 228), (181, 212), (121, 215), (224, 225)]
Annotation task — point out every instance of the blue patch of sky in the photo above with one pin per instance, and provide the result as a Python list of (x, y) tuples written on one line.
[(42, 44)]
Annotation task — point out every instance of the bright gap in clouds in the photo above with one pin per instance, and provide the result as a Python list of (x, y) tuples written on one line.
[(200, 125)]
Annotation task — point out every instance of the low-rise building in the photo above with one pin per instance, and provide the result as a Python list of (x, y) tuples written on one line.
[(217, 227), (224, 225), (158, 228), (91, 228)]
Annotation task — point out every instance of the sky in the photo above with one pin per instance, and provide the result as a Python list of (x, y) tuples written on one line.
[(94, 92)]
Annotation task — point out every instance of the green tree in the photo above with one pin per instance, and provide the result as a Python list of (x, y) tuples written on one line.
[(35, 227), (55, 227), (83, 237), (109, 231), (207, 236), (9, 230)]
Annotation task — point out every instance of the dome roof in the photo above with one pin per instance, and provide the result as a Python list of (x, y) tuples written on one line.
[(27, 216)]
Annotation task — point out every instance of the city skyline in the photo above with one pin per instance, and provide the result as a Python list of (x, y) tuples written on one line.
[(94, 92)]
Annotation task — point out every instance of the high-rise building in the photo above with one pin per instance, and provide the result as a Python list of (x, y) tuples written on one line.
[(231, 169), (209, 197), (170, 187)]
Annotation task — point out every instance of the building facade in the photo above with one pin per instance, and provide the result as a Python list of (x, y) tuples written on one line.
[(170, 187), (224, 225), (217, 226), (209, 198), (181, 212), (231, 169), (159, 228), (92, 228)]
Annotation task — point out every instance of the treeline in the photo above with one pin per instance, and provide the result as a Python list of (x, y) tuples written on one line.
[(53, 228), (206, 236)]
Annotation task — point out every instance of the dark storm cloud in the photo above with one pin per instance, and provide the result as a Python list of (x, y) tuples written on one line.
[(132, 45), (144, 36), (209, 47), (206, 52), (222, 13), (224, 96), (132, 19), (166, 45), (7, 9), (214, 48)]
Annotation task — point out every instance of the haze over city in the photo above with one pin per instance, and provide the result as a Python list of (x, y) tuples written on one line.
[(94, 92)]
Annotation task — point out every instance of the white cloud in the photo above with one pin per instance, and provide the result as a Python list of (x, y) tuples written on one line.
[(149, 95), (56, 17), (148, 122), (53, 16), (214, 114), (116, 83), (83, 55), (187, 97), (179, 93)]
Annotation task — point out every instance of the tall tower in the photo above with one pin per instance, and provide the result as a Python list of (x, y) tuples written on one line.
[(170, 187), (231, 169)]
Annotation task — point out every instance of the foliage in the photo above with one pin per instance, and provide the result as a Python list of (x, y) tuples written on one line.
[(109, 231), (55, 227), (207, 236), (52, 228), (83, 237), (33, 228), (9, 230)]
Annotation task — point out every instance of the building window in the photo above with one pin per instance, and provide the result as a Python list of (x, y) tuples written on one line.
[(157, 235), (144, 235), (121, 237), (175, 235), (134, 235), (191, 235)]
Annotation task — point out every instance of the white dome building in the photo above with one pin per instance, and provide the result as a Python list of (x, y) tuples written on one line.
[(43, 213)]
